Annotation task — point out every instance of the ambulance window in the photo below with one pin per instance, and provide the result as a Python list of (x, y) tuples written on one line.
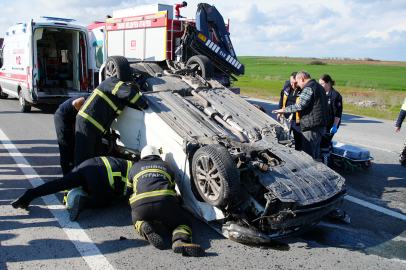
[(99, 55), (64, 56)]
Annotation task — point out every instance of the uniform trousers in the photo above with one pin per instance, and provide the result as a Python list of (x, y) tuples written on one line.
[(88, 142), (167, 212), (89, 173)]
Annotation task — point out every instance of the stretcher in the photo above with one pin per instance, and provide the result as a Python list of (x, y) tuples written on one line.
[(349, 157)]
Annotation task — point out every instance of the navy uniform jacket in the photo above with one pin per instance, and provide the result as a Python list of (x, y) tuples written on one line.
[(335, 102), (115, 173), (107, 102)]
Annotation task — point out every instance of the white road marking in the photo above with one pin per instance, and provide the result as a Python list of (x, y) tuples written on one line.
[(90, 253), (376, 207)]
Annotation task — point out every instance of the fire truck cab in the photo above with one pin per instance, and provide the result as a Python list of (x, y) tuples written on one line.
[(45, 62)]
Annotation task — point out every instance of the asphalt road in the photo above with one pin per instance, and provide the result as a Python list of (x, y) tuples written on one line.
[(43, 238)]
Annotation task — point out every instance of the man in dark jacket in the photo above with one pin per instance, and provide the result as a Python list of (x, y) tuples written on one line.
[(106, 176), (398, 125), (96, 115), (154, 198), (289, 96), (65, 118), (313, 108)]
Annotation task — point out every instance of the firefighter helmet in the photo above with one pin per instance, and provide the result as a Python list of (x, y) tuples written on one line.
[(70, 198), (149, 150), (184, 4)]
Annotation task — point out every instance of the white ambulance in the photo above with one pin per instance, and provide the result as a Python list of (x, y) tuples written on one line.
[(45, 62)]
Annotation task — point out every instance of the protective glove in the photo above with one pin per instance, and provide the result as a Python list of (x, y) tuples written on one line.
[(333, 130)]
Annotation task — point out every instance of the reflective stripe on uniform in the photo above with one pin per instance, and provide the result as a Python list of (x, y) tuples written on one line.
[(112, 105), (109, 172), (183, 229), (137, 96), (90, 119), (129, 165), (151, 194), (116, 88)]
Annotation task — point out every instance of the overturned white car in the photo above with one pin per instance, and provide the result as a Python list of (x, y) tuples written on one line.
[(233, 170)]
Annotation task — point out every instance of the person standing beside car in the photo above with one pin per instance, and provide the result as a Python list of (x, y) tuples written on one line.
[(64, 119), (289, 96), (313, 108), (335, 106), (100, 109), (398, 125)]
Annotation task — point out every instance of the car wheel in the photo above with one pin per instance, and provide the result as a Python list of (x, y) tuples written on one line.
[(215, 175), (205, 68), (2, 94), (366, 166), (118, 66), (23, 103)]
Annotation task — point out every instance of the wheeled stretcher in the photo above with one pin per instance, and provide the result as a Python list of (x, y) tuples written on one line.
[(349, 157)]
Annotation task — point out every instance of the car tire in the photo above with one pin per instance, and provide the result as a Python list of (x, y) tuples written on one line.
[(2, 94), (118, 66), (205, 68), (215, 175), (23, 103)]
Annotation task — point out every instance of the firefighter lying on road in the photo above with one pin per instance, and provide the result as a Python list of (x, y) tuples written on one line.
[(153, 182), (106, 177)]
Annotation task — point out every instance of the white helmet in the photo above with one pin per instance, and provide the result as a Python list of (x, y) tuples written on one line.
[(150, 150), (70, 198)]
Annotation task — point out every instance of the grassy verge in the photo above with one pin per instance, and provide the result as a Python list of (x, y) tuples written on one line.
[(356, 81)]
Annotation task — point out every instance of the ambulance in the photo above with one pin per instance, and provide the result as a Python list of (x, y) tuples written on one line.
[(45, 62)]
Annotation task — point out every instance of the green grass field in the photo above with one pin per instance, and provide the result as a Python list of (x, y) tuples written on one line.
[(382, 82)]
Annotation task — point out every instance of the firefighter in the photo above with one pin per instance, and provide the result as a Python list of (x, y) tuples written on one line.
[(106, 176), (96, 115), (153, 182), (64, 118), (289, 96)]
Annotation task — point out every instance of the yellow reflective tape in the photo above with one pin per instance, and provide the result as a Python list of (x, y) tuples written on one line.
[(88, 101), (187, 228), (109, 172), (116, 88), (152, 171), (90, 119), (151, 194), (118, 112), (100, 93), (180, 231), (137, 96)]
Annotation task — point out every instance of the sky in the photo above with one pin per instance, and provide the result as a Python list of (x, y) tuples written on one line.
[(292, 28)]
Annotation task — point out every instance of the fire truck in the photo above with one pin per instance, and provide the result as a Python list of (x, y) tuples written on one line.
[(153, 33)]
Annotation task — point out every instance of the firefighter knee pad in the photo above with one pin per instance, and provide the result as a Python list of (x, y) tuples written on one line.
[(182, 232)]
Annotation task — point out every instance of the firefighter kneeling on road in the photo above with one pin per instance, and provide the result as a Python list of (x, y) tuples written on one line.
[(154, 199), (106, 176)]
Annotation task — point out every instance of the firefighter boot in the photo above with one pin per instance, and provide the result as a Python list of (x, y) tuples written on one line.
[(24, 200), (146, 230), (185, 248), (78, 206)]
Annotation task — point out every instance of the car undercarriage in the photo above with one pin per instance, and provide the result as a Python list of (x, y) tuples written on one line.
[(235, 168)]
